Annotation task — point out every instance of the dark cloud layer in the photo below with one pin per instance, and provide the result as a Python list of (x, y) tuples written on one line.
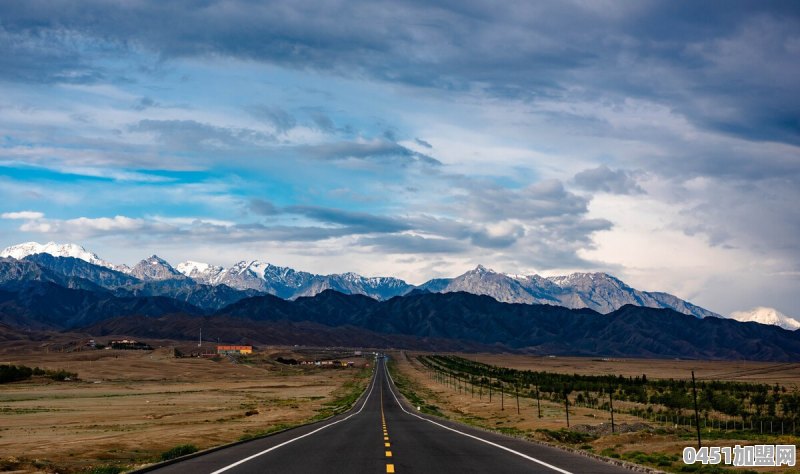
[(282, 120), (360, 221), (374, 150), (727, 66), (191, 135), (607, 180)]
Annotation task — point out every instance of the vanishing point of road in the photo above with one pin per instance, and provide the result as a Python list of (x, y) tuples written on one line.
[(384, 434)]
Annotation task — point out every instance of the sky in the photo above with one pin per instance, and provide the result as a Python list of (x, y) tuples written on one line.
[(656, 141)]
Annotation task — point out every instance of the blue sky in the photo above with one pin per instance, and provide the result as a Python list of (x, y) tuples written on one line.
[(657, 141)]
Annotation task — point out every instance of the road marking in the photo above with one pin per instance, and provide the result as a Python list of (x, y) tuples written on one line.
[(250, 458), (386, 444), (500, 446)]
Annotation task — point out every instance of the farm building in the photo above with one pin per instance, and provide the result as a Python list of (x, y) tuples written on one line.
[(130, 344), (234, 350)]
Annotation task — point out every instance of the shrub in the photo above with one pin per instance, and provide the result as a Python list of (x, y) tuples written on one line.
[(567, 436), (14, 373), (178, 451), (107, 470), (61, 375)]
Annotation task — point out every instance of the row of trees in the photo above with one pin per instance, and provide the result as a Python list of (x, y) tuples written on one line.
[(16, 373), (669, 398)]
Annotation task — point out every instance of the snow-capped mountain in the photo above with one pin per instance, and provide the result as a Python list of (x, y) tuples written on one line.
[(264, 277), (288, 283), (193, 282), (201, 272), (381, 288), (598, 291), (502, 287), (765, 315), (23, 250), (155, 268)]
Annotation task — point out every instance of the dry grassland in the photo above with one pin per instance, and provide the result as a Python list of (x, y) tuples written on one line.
[(787, 374), (129, 406)]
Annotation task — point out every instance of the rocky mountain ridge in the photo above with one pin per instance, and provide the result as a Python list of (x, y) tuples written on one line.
[(155, 276)]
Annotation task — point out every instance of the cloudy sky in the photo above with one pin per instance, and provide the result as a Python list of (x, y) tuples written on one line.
[(657, 141)]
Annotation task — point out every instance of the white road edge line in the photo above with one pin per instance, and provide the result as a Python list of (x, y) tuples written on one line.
[(530, 458), (249, 458)]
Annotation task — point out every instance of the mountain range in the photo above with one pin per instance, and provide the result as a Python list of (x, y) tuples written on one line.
[(455, 321), (248, 303), (193, 282)]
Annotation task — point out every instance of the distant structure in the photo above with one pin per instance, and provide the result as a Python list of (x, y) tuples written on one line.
[(235, 350), (326, 363), (130, 344)]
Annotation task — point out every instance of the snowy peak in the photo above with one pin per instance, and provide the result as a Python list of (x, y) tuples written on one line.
[(598, 291), (481, 270), (189, 267), (763, 315), (586, 279), (155, 268), (23, 250), (201, 272), (244, 275)]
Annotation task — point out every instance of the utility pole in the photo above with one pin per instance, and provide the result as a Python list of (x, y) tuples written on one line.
[(611, 405), (566, 406), (696, 414), (502, 407), (538, 404), (516, 392)]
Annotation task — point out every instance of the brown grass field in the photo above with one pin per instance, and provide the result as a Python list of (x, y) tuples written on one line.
[(787, 374), (129, 406), (662, 440)]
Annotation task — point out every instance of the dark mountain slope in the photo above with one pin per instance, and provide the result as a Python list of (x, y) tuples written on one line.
[(631, 331), (73, 267), (243, 331), (46, 305)]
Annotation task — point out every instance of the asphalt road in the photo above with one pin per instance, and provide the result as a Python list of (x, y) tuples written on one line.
[(383, 434)]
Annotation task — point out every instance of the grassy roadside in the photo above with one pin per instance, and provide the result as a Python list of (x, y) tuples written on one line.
[(343, 400), (412, 391), (346, 396)]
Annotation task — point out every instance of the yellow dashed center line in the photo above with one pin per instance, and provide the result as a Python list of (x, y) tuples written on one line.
[(386, 444)]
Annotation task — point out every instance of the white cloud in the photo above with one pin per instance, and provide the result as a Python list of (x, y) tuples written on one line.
[(87, 227), (27, 215)]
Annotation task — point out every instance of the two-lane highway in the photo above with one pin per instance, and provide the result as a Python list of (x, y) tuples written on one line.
[(382, 434)]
